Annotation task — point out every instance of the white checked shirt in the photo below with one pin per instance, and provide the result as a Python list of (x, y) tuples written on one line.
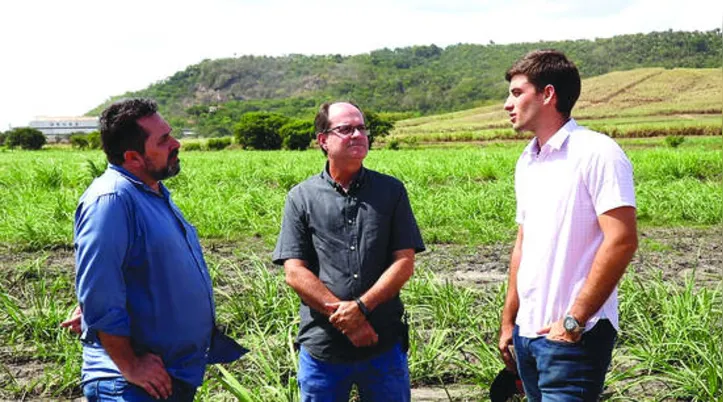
[(576, 176)]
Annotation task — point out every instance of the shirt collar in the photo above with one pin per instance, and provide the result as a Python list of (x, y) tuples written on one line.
[(357, 182), (556, 142), (138, 182)]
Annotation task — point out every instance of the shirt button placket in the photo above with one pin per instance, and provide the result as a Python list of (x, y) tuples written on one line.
[(353, 210)]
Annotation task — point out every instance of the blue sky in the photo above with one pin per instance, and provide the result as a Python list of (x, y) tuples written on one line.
[(66, 57)]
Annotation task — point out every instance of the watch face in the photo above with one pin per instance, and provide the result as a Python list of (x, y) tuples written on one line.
[(569, 323)]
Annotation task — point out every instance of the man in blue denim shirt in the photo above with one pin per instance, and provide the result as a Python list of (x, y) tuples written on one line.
[(148, 323)]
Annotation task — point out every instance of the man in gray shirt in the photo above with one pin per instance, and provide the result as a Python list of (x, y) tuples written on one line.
[(347, 244)]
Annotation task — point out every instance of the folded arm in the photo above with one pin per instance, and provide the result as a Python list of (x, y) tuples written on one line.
[(318, 297), (348, 315)]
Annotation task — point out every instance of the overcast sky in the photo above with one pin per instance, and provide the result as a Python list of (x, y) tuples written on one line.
[(65, 57)]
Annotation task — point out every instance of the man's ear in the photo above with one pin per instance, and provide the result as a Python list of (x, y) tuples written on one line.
[(133, 159), (549, 95), (321, 140)]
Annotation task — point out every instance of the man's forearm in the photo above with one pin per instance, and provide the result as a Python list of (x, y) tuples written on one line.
[(147, 371), (308, 286), (512, 302), (611, 260), (392, 280), (512, 305), (119, 349), (608, 267)]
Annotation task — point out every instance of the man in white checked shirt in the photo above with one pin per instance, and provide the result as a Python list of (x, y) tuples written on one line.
[(577, 233)]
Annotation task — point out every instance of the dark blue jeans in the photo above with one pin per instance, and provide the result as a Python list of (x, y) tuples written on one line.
[(557, 371), (117, 389), (382, 378)]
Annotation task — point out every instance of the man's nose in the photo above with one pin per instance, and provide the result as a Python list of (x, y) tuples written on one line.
[(508, 105)]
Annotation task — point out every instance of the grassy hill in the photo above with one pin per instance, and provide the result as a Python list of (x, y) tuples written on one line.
[(642, 102), (211, 96)]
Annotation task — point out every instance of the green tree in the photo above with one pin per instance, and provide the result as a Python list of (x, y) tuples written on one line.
[(79, 140), (93, 138), (25, 138), (217, 144), (297, 134), (378, 126), (2, 138), (260, 130)]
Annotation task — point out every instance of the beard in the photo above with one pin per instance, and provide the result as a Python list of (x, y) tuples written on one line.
[(171, 169)]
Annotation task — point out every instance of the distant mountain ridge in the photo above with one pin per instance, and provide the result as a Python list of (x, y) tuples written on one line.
[(417, 80)]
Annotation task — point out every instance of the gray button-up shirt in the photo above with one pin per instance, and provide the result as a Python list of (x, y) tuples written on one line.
[(348, 240)]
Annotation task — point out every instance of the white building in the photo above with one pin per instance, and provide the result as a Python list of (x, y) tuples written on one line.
[(57, 129)]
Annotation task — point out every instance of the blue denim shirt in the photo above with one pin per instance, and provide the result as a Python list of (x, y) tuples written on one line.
[(141, 274)]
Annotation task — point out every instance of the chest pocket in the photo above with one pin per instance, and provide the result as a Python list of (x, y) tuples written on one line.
[(375, 226)]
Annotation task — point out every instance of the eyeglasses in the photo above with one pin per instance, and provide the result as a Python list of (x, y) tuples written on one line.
[(346, 130)]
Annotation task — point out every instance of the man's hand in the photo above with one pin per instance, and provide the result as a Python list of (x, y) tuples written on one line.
[(149, 373), (146, 371), (363, 336), (345, 316), (74, 322), (504, 346), (349, 320), (556, 332)]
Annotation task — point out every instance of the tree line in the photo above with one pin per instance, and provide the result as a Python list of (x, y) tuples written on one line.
[(254, 130), (23, 138)]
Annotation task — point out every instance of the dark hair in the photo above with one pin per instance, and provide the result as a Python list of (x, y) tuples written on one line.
[(321, 121), (550, 67), (119, 130)]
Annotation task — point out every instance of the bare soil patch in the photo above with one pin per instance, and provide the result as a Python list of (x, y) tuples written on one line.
[(674, 253)]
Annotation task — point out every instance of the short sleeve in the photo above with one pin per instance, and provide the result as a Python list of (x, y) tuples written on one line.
[(294, 239), (405, 232), (609, 179)]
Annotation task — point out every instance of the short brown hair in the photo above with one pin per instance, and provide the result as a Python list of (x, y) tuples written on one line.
[(550, 67)]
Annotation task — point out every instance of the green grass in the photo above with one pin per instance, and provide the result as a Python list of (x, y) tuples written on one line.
[(463, 195), (671, 333), (459, 195), (33, 302)]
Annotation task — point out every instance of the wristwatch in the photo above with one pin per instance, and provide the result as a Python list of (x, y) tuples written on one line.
[(362, 307), (571, 325)]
